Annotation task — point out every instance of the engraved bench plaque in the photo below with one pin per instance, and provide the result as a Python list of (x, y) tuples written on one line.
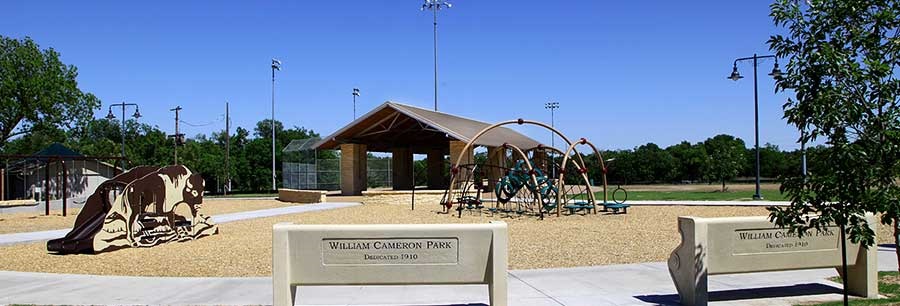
[(396, 254)]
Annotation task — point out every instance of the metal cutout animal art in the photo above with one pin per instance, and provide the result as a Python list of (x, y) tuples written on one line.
[(155, 206)]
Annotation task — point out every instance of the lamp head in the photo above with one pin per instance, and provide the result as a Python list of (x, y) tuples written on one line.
[(137, 113), (436, 5), (356, 92), (276, 64), (735, 75), (110, 115), (776, 73)]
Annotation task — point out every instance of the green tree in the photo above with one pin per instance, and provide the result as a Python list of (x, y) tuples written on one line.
[(37, 91), (619, 171), (204, 156), (653, 164), (842, 63), (772, 161), (144, 144), (690, 159), (725, 158), (35, 141)]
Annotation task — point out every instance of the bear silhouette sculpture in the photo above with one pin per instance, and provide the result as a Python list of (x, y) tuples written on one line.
[(155, 206)]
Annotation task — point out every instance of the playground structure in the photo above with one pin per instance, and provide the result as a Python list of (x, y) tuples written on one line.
[(530, 181), (151, 206)]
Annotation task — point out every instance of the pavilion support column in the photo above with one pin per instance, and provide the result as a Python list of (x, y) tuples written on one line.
[(496, 158), (353, 169), (435, 169), (402, 168), (456, 150)]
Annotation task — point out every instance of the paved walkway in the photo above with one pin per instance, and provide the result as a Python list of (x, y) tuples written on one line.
[(632, 284), (77, 203), (223, 218)]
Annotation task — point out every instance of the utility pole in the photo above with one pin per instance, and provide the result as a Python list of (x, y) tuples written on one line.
[(178, 137), (227, 150)]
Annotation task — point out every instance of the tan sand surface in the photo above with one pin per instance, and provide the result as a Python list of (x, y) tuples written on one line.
[(645, 234)]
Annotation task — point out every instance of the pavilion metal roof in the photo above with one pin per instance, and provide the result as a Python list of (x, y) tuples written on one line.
[(393, 124), (301, 144)]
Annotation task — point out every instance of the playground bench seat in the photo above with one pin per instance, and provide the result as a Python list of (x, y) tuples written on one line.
[(470, 202), (615, 207), (577, 206)]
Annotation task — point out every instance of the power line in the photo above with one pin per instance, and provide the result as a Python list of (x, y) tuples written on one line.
[(220, 119)]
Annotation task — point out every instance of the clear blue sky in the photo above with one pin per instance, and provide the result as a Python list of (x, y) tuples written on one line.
[(624, 72)]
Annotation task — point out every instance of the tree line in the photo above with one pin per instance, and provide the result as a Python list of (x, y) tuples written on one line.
[(249, 166), (718, 159)]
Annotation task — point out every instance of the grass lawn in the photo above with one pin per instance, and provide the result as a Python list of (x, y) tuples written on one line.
[(888, 286), (739, 195)]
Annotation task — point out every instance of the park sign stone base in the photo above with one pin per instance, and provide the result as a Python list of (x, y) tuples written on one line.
[(396, 254), (754, 244)]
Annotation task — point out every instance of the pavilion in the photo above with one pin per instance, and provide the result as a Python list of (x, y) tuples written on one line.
[(404, 130)]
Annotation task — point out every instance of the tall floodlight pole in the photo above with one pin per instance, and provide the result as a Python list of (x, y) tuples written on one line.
[(434, 6), (276, 65), (355, 94), (552, 106), (227, 150), (136, 115), (737, 76)]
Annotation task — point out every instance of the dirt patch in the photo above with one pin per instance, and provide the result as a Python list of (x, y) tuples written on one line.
[(645, 234)]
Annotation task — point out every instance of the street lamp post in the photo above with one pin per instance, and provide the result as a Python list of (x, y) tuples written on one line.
[(434, 6), (276, 65), (737, 76), (355, 94), (136, 115), (803, 152)]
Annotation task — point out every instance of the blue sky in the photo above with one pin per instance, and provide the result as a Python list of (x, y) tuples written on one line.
[(624, 72)]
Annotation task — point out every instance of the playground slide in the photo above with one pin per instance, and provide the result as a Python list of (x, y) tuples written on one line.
[(90, 219)]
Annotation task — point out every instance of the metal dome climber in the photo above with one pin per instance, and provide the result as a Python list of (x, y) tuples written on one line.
[(519, 184)]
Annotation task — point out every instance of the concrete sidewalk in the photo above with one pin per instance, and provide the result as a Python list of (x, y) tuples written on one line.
[(14, 238), (632, 284)]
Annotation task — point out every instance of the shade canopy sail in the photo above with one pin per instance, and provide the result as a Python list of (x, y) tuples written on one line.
[(392, 125)]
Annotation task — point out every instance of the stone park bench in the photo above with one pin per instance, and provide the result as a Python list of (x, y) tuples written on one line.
[(396, 254), (712, 246)]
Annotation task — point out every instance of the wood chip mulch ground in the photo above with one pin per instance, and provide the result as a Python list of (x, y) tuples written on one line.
[(37, 221), (645, 234)]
